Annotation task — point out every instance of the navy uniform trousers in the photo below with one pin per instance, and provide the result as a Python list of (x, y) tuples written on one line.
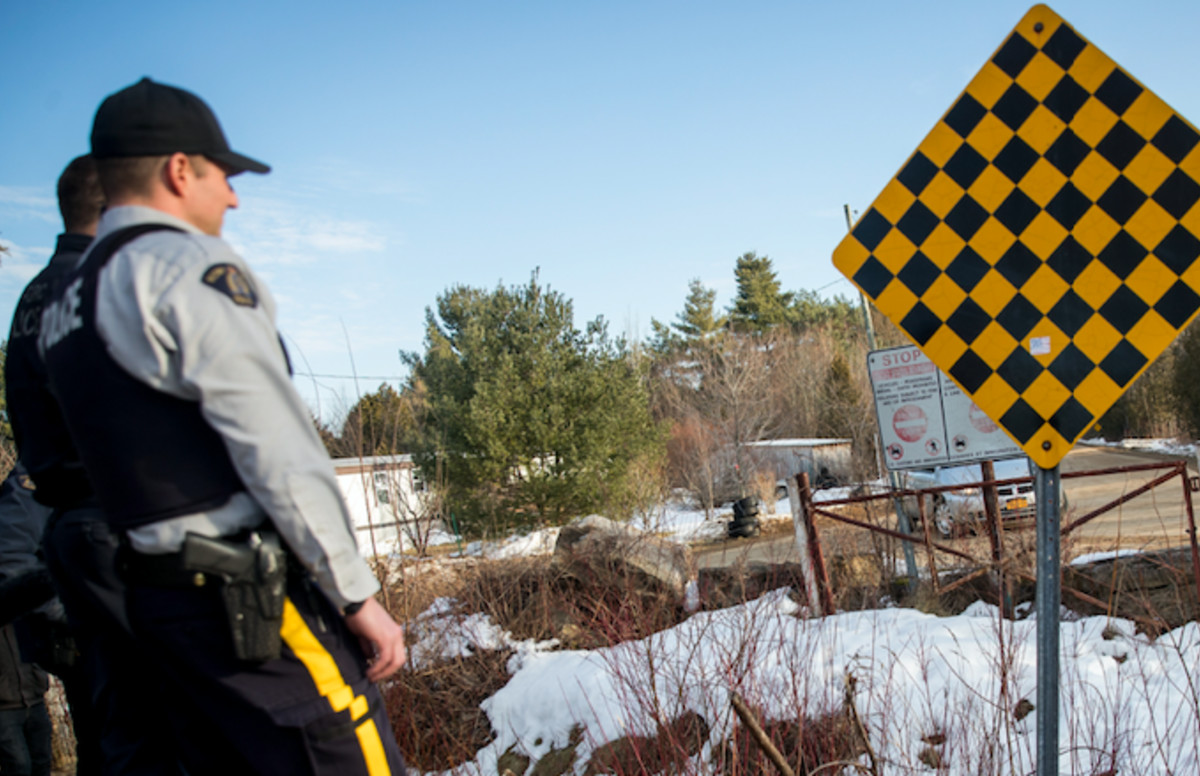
[(311, 711), (125, 701)]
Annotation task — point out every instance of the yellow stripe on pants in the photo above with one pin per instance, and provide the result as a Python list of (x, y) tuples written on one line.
[(328, 678)]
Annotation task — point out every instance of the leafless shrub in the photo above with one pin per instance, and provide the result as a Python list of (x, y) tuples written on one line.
[(435, 710), (674, 688)]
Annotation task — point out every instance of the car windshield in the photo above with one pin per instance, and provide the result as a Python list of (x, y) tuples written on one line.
[(1005, 470)]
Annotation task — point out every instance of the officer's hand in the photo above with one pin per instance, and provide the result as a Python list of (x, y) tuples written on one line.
[(381, 637)]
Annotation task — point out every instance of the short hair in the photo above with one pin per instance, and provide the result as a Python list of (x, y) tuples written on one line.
[(125, 176), (80, 197)]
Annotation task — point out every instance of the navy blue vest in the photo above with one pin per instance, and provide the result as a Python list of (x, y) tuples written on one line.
[(150, 456), (43, 443)]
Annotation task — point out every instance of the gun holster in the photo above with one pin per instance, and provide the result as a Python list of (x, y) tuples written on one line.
[(254, 572)]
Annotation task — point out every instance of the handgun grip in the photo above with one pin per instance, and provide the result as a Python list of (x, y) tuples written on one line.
[(226, 559)]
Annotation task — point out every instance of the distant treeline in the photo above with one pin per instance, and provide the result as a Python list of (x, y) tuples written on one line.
[(516, 417)]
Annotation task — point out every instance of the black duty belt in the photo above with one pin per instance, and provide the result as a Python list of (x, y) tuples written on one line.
[(167, 569), (161, 570)]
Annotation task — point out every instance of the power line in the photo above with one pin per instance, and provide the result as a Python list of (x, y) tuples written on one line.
[(832, 283)]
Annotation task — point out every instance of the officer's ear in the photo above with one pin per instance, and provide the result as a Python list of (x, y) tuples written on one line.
[(177, 173)]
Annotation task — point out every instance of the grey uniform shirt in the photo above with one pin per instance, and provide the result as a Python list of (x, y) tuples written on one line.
[(170, 330)]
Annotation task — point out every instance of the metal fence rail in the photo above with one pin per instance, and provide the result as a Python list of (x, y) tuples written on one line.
[(1001, 563)]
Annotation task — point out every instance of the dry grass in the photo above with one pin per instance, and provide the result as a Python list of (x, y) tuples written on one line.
[(440, 724), (435, 711), (585, 606), (810, 743)]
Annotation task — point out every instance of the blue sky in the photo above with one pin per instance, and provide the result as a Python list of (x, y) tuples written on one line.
[(623, 148)]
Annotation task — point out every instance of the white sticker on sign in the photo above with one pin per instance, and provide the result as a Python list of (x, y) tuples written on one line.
[(1039, 346)]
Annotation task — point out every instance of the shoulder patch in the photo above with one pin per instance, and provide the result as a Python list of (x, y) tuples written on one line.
[(230, 281)]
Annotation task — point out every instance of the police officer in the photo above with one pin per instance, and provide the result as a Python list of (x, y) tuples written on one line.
[(162, 353), (115, 729), (44, 447)]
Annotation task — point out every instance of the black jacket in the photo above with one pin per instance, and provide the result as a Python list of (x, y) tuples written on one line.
[(21, 684)]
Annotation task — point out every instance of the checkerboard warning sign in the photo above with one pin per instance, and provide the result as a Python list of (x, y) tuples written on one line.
[(1040, 245)]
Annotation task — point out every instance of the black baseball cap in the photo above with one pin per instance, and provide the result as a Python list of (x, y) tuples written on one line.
[(153, 119)]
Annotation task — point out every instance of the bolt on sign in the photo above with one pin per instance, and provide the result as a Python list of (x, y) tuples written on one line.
[(1040, 245)]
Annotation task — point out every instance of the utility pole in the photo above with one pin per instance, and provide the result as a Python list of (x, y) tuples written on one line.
[(910, 557), (862, 299)]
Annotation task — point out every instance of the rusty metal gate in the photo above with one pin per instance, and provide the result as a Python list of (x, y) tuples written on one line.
[(999, 563)]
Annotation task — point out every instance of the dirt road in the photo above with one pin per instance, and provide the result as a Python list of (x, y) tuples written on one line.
[(1157, 518), (1152, 520)]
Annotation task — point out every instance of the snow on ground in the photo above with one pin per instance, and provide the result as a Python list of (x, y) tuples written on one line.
[(676, 519), (444, 633), (1097, 557), (682, 521), (1165, 446), (1127, 703), (540, 542)]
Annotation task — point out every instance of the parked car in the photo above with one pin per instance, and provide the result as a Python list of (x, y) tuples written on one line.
[(956, 511)]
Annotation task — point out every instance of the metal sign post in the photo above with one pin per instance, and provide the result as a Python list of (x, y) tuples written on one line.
[(1046, 485)]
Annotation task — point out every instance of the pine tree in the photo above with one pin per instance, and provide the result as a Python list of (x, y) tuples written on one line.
[(841, 399), (697, 323), (380, 423), (535, 421), (1185, 379), (839, 315), (760, 304), (699, 319)]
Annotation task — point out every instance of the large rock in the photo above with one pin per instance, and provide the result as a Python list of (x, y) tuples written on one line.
[(595, 539)]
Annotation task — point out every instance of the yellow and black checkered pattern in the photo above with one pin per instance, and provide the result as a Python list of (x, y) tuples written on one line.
[(1040, 245)]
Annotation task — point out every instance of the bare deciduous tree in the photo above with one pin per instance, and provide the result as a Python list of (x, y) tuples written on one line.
[(727, 392)]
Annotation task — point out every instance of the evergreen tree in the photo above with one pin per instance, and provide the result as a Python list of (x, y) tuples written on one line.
[(535, 422), (697, 323), (664, 342), (841, 399), (1185, 379), (380, 423), (760, 304), (699, 319), (839, 315)]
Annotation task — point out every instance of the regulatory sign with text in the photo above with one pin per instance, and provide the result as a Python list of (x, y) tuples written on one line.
[(924, 418), (1040, 245)]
